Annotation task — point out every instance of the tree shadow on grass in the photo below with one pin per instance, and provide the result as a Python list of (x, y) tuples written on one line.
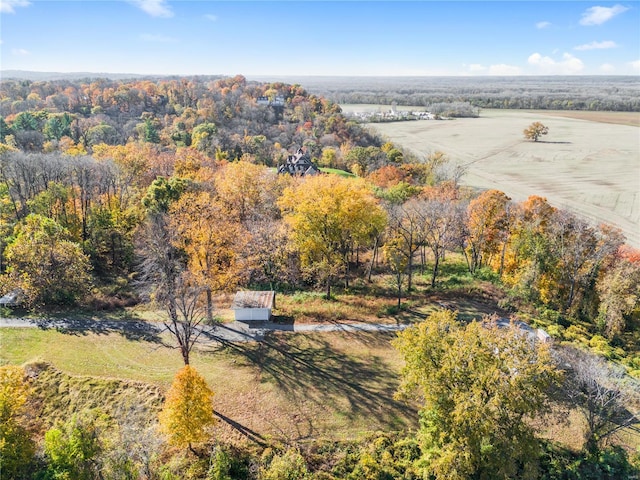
[(131, 329), (308, 368), (244, 431)]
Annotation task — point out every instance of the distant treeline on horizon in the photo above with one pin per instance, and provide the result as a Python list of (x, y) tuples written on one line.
[(595, 92)]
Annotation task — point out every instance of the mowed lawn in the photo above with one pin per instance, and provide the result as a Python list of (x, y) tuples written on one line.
[(588, 163), (291, 386)]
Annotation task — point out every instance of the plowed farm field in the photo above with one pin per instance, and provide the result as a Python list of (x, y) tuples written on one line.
[(589, 162)]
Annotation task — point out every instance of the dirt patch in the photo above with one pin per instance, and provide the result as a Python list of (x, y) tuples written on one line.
[(617, 118), (586, 166)]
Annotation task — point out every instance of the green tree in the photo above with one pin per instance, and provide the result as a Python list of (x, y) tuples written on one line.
[(150, 132), (4, 129), (74, 447), (203, 137), (46, 264), (288, 466), (57, 126), (479, 385), (535, 131), (187, 414)]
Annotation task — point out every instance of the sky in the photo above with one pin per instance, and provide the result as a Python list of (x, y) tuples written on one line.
[(349, 38)]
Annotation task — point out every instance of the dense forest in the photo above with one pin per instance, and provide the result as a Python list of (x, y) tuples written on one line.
[(539, 93), (114, 193)]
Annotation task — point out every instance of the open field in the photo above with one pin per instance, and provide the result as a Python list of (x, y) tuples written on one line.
[(587, 166)]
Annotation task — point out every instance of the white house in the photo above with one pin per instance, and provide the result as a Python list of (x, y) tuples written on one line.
[(253, 306)]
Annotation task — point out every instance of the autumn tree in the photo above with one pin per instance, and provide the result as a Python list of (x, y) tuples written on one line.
[(526, 259), (163, 266), (535, 131), (187, 414), (328, 216), (619, 293), (487, 227), (579, 249), (479, 385), (245, 191), (394, 255), (212, 242), (16, 446), (43, 261)]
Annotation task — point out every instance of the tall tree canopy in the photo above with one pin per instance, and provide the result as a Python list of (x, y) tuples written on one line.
[(329, 215), (479, 384), (45, 264)]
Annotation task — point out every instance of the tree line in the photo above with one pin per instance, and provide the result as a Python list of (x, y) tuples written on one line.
[(599, 93)]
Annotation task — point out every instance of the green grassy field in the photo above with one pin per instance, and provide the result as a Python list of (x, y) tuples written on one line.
[(290, 387)]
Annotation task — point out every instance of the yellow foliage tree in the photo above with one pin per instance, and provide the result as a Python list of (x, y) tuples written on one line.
[(212, 241), (488, 227), (329, 216), (535, 131), (16, 447), (188, 410), (243, 189)]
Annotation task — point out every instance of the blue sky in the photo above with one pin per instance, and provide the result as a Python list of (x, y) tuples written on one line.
[(321, 38)]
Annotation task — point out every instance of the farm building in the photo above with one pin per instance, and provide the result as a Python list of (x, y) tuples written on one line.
[(253, 306)]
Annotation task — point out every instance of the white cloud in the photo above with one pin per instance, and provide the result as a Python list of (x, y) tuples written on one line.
[(567, 66), (541, 25), (19, 52), (599, 15), (9, 6), (607, 68), (597, 45), (213, 18), (155, 8), (502, 69), (635, 65), (148, 37), (477, 68)]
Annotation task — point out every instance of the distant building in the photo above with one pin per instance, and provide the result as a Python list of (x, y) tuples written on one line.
[(277, 101), (299, 164), (253, 306)]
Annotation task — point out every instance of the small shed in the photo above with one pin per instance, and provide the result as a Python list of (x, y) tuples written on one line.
[(251, 306)]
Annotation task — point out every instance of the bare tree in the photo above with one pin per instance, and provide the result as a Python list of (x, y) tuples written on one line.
[(443, 220), (607, 399), (405, 222)]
